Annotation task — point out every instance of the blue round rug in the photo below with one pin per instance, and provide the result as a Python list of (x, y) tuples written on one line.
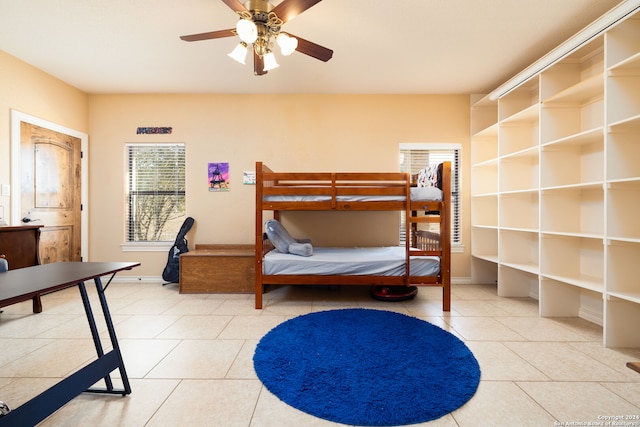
[(367, 367)]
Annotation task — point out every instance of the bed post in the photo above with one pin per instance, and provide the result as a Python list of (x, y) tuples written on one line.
[(445, 241), (408, 229), (258, 236)]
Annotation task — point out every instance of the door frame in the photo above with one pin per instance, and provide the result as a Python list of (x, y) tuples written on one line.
[(16, 118)]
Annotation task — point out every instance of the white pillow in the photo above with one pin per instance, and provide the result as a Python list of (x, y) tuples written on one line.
[(426, 193)]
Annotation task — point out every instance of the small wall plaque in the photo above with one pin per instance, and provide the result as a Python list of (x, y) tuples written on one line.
[(154, 130)]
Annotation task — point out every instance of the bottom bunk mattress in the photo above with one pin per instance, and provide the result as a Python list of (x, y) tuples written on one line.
[(378, 261)]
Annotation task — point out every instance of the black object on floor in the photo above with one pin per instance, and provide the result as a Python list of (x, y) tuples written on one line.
[(171, 273), (393, 293)]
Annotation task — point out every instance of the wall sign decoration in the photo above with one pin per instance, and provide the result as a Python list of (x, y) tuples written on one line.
[(249, 177), (154, 130), (218, 175)]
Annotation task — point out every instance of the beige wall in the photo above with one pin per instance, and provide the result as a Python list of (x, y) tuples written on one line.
[(30, 91), (286, 132)]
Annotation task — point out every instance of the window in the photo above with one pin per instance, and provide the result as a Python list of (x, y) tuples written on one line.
[(155, 192), (415, 156)]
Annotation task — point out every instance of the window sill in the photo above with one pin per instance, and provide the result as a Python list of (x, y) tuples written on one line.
[(457, 249), (146, 246)]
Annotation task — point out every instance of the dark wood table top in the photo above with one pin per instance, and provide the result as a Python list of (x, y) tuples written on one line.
[(29, 281), (19, 227)]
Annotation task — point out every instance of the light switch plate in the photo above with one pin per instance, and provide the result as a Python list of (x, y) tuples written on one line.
[(6, 190)]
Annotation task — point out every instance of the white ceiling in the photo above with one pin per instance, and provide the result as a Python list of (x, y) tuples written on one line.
[(390, 46)]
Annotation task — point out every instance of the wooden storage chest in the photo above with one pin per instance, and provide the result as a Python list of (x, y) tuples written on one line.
[(218, 269)]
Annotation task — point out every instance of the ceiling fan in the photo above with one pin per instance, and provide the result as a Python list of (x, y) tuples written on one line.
[(260, 25)]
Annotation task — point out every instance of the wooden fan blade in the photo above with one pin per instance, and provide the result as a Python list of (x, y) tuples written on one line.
[(289, 9), (312, 49), (207, 36), (235, 5), (258, 65)]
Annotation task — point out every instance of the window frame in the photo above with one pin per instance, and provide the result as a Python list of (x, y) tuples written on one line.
[(456, 190), (179, 190)]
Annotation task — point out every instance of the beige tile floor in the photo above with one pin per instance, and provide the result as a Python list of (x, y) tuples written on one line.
[(189, 357)]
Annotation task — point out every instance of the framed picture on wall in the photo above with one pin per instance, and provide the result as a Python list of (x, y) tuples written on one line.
[(218, 175)]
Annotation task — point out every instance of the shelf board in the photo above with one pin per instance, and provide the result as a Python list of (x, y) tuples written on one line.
[(590, 88), (530, 114), (527, 153), (486, 195), (595, 185), (521, 229), (519, 192), (490, 258), (489, 131), (599, 236), (633, 297), (493, 194), (623, 239), (486, 227), (630, 124), (529, 268), (594, 284), (485, 102), (490, 162), (586, 137), (624, 183), (630, 63)]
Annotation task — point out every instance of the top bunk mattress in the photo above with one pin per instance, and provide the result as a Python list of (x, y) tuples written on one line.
[(379, 261), (420, 194)]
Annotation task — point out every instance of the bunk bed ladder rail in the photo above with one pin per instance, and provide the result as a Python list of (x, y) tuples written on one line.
[(260, 169), (422, 242)]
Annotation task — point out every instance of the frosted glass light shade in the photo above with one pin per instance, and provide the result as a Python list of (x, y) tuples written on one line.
[(270, 61), (239, 53), (287, 43), (247, 30)]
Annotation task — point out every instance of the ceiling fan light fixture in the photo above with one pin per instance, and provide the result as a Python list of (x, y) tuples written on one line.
[(239, 53), (287, 43), (259, 27), (247, 30), (270, 61)]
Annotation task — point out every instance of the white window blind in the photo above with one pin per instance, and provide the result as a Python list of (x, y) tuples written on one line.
[(416, 156), (155, 191)]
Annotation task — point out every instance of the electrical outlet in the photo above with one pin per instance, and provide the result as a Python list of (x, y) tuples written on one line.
[(6, 190)]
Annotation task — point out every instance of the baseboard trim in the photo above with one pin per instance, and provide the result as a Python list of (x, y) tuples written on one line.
[(591, 316)]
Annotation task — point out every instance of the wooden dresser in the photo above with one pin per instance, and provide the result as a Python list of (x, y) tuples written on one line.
[(21, 247)]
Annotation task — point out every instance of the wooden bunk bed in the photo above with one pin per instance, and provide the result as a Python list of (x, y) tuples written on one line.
[(354, 191)]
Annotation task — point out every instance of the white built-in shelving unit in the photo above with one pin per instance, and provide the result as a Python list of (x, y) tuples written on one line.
[(555, 172)]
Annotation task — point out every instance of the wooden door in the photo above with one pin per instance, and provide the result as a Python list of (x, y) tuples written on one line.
[(51, 190)]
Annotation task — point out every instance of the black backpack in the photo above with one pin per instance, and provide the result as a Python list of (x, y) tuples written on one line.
[(171, 273)]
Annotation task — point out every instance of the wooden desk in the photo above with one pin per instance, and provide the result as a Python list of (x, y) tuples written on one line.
[(21, 247), (19, 285)]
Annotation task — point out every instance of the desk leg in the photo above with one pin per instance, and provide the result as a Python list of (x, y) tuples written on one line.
[(94, 329), (112, 335)]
